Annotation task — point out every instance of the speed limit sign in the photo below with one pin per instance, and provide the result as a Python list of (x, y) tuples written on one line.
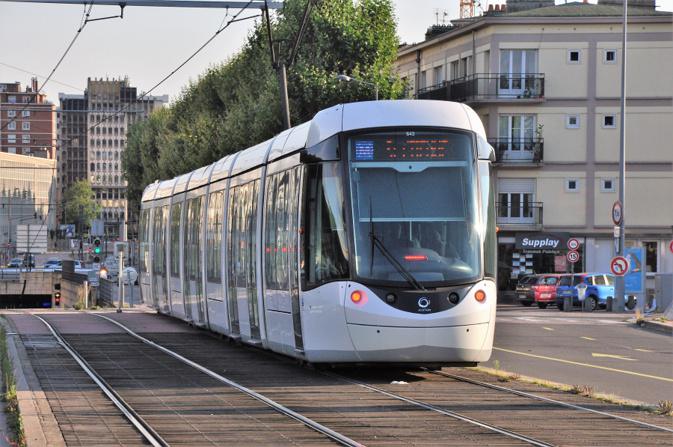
[(573, 256)]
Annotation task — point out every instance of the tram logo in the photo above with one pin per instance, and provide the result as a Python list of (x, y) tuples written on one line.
[(423, 304)]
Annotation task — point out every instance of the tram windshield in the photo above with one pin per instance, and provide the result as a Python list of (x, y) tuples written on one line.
[(415, 196)]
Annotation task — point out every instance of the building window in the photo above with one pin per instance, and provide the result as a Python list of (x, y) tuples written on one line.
[(11, 150), (424, 79), (574, 56), (572, 185), (651, 256), (607, 185), (25, 139), (572, 121), (11, 99), (609, 121), (25, 125), (610, 56), (11, 138), (25, 113), (11, 125), (438, 75), (11, 113)]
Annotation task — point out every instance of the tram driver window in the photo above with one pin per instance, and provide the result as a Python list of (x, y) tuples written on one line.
[(324, 236)]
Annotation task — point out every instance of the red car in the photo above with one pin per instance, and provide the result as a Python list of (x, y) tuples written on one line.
[(543, 291)]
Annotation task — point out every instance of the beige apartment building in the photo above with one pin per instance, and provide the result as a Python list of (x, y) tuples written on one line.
[(545, 80)]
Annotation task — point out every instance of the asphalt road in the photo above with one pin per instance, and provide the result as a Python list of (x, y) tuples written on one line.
[(597, 349)]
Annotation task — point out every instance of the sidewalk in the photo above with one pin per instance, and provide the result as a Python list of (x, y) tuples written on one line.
[(655, 323)]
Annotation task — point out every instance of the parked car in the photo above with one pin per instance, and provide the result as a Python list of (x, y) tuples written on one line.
[(53, 264), (15, 263), (600, 287), (544, 289), (524, 291)]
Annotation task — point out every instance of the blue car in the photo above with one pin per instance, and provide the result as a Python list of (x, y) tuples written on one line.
[(600, 287)]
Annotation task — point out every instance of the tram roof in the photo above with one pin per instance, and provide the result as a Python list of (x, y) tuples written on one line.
[(325, 124)]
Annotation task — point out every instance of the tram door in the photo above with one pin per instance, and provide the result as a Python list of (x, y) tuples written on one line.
[(281, 217), (193, 293), (242, 269), (175, 281)]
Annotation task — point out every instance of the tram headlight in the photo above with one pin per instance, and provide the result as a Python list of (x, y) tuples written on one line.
[(454, 298), (390, 298), (480, 296), (358, 297)]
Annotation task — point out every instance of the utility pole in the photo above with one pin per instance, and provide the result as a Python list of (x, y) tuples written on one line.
[(281, 66), (619, 280)]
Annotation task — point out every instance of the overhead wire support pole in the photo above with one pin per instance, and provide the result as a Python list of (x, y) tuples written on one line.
[(162, 3), (282, 74), (620, 288)]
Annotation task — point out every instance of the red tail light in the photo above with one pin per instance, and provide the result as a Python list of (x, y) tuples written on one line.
[(415, 258)]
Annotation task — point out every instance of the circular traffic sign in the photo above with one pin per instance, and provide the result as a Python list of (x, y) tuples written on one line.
[(617, 212), (573, 256), (619, 265), (573, 244)]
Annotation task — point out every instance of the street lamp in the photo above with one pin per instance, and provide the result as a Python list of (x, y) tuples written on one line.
[(346, 78)]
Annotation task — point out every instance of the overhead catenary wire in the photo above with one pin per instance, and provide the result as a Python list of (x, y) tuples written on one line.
[(124, 109), (83, 22)]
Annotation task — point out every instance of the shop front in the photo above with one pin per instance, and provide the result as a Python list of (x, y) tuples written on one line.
[(521, 254)]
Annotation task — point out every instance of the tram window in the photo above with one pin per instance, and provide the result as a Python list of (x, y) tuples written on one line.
[(158, 242), (280, 228), (176, 210), (324, 235), (214, 237), (144, 243)]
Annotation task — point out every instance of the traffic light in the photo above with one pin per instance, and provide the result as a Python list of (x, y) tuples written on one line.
[(57, 294), (96, 246)]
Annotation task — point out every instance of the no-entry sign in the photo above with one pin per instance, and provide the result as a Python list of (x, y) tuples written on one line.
[(619, 265)]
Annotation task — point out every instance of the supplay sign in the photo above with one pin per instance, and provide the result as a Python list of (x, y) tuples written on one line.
[(542, 241)]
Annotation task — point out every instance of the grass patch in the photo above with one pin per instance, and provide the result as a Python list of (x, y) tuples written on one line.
[(603, 397), (583, 390), (9, 393), (78, 305), (665, 407)]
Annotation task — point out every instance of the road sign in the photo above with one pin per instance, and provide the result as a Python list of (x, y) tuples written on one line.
[(619, 265), (573, 244), (634, 281), (573, 256), (617, 213)]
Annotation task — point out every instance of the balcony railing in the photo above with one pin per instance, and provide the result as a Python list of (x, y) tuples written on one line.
[(488, 87), (525, 214), (518, 150)]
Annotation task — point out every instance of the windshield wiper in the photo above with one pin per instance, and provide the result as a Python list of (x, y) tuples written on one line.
[(406, 274)]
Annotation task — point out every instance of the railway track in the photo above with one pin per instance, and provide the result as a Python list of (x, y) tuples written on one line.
[(366, 409), (150, 430)]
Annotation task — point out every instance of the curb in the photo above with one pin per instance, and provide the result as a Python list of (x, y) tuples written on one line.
[(653, 326), (39, 424)]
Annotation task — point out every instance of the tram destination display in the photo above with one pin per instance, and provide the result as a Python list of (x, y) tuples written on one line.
[(409, 146)]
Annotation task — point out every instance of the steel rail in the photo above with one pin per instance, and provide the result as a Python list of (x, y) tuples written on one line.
[(335, 436), (547, 399), (143, 427), (445, 412)]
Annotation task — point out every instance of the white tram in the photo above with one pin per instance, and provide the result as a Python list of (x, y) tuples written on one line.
[(365, 235)]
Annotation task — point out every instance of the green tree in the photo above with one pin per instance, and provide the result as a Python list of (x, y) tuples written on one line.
[(236, 105), (80, 206)]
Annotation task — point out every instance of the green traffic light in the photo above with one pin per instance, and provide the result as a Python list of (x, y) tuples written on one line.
[(96, 250)]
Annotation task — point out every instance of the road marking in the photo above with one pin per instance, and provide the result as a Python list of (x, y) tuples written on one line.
[(589, 338), (642, 350), (547, 328), (612, 356), (588, 365)]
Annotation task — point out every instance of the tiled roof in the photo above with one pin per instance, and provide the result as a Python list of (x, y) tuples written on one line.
[(577, 9)]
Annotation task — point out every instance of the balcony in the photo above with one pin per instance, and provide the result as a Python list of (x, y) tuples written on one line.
[(496, 87), (519, 216), (518, 151)]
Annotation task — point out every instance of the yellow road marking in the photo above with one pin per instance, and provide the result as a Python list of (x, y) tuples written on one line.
[(547, 328), (588, 365), (589, 338), (611, 356), (643, 350)]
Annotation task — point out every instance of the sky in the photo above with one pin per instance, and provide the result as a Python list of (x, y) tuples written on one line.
[(148, 43)]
